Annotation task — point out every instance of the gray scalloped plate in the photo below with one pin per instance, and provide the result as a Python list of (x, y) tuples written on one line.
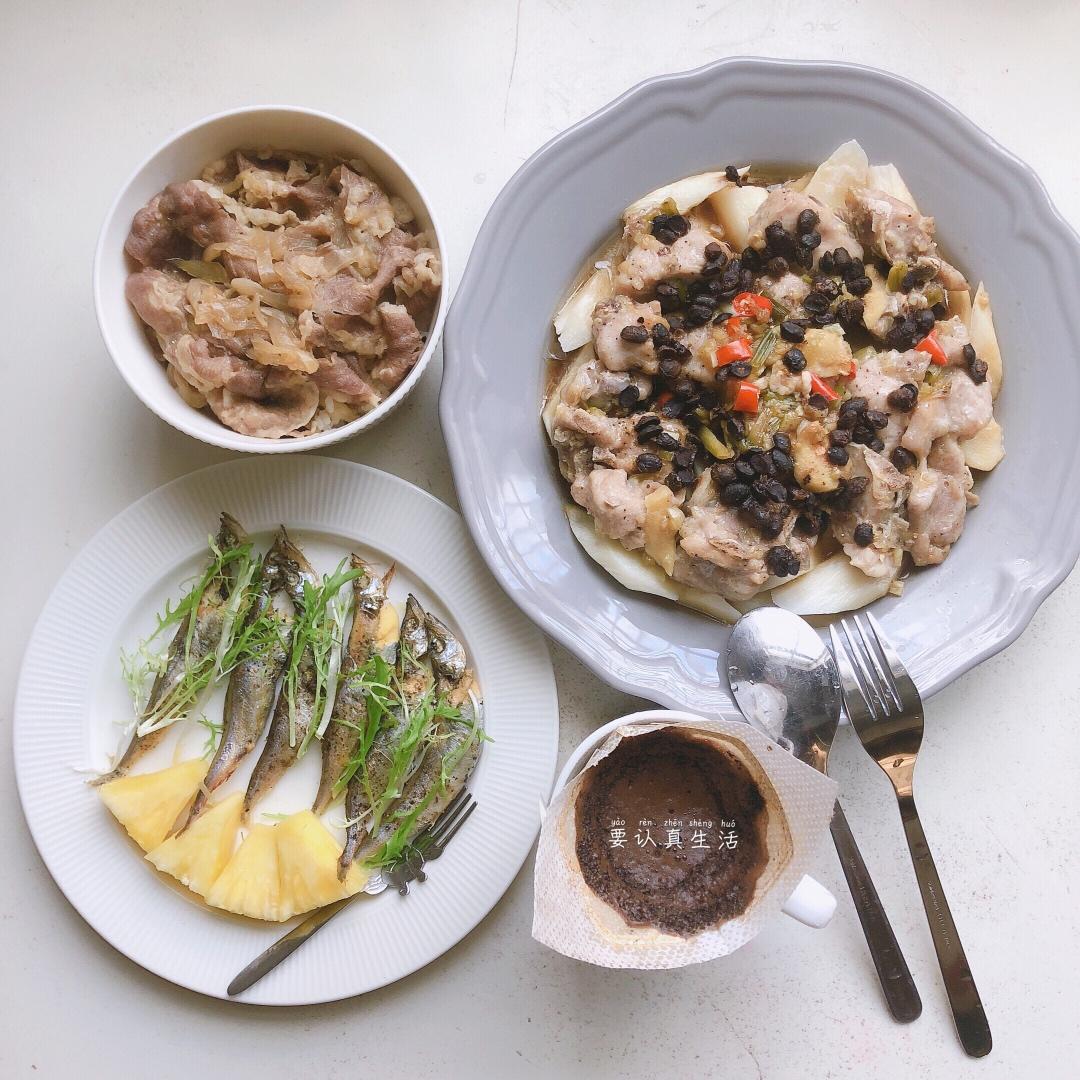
[(996, 220)]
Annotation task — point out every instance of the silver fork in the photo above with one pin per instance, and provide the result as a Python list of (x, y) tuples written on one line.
[(885, 709), (430, 844)]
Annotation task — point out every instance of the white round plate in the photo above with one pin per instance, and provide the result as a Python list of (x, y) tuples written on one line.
[(70, 696)]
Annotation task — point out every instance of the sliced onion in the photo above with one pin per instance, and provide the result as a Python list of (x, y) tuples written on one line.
[(685, 194)]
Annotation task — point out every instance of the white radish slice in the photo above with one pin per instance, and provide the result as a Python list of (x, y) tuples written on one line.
[(960, 304), (845, 168), (573, 323), (626, 567), (984, 338), (634, 571), (887, 178), (734, 207), (985, 448), (708, 604), (763, 597), (833, 586), (684, 194)]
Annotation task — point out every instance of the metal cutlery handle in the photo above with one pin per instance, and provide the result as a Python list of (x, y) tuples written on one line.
[(967, 1006), (285, 946), (897, 985)]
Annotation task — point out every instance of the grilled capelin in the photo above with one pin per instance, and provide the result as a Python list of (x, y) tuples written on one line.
[(209, 624), (415, 679), (284, 739), (455, 745), (340, 740), (250, 694)]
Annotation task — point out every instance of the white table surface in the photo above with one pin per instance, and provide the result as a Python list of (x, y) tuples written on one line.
[(465, 91)]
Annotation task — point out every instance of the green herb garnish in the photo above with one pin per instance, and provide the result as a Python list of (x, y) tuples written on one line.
[(319, 630), (146, 662), (451, 723), (213, 735), (763, 350)]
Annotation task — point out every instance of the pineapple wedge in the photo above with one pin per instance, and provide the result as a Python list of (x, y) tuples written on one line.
[(284, 870), (249, 884), (149, 804), (197, 856), (307, 865)]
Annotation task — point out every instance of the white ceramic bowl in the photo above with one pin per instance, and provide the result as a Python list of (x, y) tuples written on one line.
[(183, 156)]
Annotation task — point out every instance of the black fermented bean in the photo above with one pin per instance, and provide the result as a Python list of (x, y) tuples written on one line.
[(735, 494), (904, 397), (723, 474), (782, 561), (794, 360), (864, 534), (902, 458)]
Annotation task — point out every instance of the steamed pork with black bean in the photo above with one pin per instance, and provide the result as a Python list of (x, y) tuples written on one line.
[(762, 379)]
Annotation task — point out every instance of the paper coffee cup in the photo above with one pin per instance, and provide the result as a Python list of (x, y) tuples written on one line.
[(571, 918)]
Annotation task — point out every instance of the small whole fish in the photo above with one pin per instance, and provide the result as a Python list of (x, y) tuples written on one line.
[(208, 627), (340, 740), (415, 678), (284, 739), (250, 694), (455, 747)]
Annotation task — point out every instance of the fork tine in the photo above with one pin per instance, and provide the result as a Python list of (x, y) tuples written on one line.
[(444, 840), (425, 839), (879, 707), (849, 681), (902, 681), (871, 638), (448, 819), (452, 808)]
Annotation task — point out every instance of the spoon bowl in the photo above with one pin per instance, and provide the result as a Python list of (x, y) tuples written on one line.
[(785, 682)]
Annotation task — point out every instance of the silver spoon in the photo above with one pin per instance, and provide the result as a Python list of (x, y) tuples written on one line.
[(785, 682)]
